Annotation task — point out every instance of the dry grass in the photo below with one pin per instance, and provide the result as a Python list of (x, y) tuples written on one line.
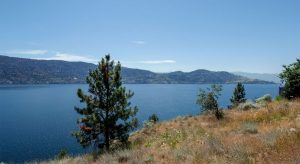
[(267, 135)]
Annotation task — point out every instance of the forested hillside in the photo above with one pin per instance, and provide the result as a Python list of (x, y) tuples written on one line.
[(29, 71)]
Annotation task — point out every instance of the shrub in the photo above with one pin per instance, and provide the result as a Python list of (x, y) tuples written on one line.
[(264, 99), (215, 146), (148, 124), (247, 105), (153, 118), (279, 98), (200, 132), (149, 159), (219, 114), (270, 138), (123, 156), (239, 153), (62, 154), (249, 127), (181, 154), (172, 138), (208, 100)]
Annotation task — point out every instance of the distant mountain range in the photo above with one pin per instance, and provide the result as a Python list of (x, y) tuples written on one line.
[(29, 71), (261, 76)]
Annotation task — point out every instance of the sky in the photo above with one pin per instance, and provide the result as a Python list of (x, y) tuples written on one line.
[(257, 36)]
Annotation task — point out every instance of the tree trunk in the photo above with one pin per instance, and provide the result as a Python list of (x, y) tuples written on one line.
[(106, 139)]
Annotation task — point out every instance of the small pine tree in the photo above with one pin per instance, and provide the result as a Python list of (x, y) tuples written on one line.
[(238, 95), (208, 100), (107, 115), (62, 154), (291, 79), (153, 118)]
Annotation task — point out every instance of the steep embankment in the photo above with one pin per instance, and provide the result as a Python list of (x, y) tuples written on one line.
[(270, 134)]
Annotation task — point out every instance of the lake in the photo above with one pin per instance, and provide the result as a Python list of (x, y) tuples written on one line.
[(36, 121)]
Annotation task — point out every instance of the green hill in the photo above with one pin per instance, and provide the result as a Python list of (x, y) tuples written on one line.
[(29, 71)]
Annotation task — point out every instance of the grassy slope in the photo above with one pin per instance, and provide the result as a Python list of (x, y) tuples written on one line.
[(269, 135)]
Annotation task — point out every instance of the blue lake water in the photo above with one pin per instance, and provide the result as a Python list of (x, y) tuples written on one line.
[(36, 121)]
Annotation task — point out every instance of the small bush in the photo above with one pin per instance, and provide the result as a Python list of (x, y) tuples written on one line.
[(239, 153), (153, 118), (282, 106), (279, 98), (123, 156), (62, 154), (200, 132), (274, 114), (270, 138), (219, 114), (181, 154), (172, 138), (247, 105), (149, 159), (264, 99), (208, 100), (249, 127), (148, 124), (215, 146), (137, 142)]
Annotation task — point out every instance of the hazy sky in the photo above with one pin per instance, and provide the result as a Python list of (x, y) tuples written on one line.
[(158, 35)]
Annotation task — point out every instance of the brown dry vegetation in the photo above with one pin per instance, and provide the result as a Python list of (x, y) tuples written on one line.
[(270, 134)]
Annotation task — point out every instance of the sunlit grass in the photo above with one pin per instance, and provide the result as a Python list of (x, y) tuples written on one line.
[(270, 134)]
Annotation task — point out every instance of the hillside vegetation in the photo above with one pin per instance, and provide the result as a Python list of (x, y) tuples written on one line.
[(269, 134), (28, 71)]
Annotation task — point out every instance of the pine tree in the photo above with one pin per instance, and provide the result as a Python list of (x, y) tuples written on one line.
[(107, 115), (238, 95), (153, 118)]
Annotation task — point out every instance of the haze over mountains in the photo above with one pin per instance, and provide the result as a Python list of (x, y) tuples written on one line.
[(262, 76), (29, 71)]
